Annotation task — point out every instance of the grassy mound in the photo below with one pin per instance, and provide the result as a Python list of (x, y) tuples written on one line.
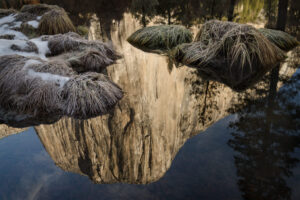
[(159, 39), (83, 55), (55, 22), (89, 95), (234, 54), (31, 86), (51, 89), (281, 39), (91, 60), (62, 43)]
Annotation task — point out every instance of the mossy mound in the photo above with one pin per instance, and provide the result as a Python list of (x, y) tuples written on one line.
[(160, 39), (235, 54), (281, 39)]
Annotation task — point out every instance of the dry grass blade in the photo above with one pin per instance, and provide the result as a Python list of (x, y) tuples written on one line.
[(234, 54), (281, 39), (32, 86), (89, 95), (83, 55), (160, 39), (55, 22)]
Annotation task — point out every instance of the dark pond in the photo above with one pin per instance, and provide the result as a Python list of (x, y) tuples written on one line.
[(173, 135)]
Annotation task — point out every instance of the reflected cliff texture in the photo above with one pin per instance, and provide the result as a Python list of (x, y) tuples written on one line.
[(7, 131), (138, 140)]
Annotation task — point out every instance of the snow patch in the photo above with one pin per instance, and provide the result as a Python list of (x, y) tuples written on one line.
[(33, 23), (7, 19), (60, 80), (30, 63), (42, 46)]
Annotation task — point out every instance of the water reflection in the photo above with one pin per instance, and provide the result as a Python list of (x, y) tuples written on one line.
[(266, 134), (163, 108), (138, 140)]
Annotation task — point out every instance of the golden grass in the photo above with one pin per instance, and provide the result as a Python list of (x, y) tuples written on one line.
[(281, 39), (55, 22), (234, 54), (89, 95), (160, 39)]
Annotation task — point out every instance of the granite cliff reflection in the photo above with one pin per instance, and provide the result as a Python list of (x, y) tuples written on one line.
[(137, 142)]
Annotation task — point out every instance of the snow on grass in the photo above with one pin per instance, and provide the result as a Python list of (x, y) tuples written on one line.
[(42, 46), (5, 48), (59, 80), (33, 23), (30, 63)]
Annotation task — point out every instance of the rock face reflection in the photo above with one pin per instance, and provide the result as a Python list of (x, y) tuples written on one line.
[(138, 140), (7, 131)]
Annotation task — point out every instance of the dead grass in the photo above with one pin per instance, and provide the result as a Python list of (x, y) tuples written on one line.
[(89, 95), (281, 39), (160, 39), (235, 54), (83, 96), (83, 55), (55, 22)]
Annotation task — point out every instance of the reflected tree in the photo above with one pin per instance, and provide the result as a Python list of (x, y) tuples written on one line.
[(144, 10), (265, 136)]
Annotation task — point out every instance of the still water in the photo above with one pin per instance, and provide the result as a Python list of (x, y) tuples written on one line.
[(173, 135)]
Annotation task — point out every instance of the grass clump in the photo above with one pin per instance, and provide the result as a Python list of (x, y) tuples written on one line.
[(83, 55), (89, 95), (55, 22), (160, 39), (235, 54), (281, 39), (51, 89)]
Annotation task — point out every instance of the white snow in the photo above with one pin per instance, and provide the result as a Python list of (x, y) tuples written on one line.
[(42, 46), (7, 19), (33, 23), (6, 50), (17, 24), (60, 80), (30, 63), (39, 18)]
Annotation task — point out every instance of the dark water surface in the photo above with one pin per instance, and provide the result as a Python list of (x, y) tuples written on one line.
[(173, 135)]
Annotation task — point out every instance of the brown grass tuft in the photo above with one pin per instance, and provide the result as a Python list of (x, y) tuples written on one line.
[(55, 22), (83, 55), (235, 54), (160, 39), (89, 95), (50, 89), (281, 39)]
